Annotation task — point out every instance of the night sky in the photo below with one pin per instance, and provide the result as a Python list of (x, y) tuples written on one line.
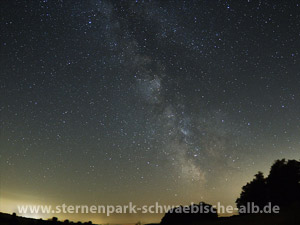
[(106, 102)]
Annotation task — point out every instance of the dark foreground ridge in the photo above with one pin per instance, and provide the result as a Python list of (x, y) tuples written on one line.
[(177, 215), (281, 187), (7, 219), (291, 217)]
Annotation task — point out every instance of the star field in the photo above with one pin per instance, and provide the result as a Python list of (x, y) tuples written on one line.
[(143, 101)]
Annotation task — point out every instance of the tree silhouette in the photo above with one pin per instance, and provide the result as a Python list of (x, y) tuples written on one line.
[(255, 191), (281, 187), (14, 220), (284, 182)]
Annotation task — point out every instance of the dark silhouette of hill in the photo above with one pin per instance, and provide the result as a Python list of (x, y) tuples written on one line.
[(190, 214), (281, 187), (7, 219)]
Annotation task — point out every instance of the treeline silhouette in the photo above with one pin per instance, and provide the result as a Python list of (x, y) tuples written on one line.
[(6, 219), (281, 187)]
